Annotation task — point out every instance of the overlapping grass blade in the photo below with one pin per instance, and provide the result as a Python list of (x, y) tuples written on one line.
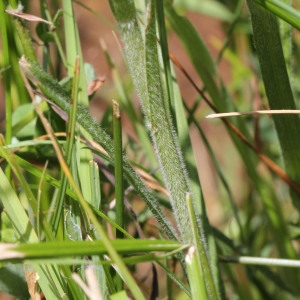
[(279, 94), (127, 105), (73, 51), (282, 10), (277, 85)]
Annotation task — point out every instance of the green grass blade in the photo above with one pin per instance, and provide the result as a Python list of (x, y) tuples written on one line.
[(165, 143), (125, 14), (282, 10), (56, 249), (205, 67), (73, 50), (70, 142), (15, 211), (119, 190), (7, 81), (277, 85), (95, 184), (118, 167), (213, 9), (25, 39), (10, 158), (184, 134), (194, 46), (127, 106), (286, 38), (178, 113), (200, 275)]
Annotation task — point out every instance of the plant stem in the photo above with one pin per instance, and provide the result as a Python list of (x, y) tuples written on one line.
[(119, 194), (118, 168)]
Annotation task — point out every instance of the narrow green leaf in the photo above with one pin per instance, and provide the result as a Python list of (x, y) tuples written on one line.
[(7, 81), (73, 50), (118, 153), (277, 85), (56, 249), (198, 266), (119, 296), (95, 184), (162, 132), (282, 10), (15, 210), (10, 158), (119, 189), (58, 214), (286, 38), (211, 8), (196, 278)]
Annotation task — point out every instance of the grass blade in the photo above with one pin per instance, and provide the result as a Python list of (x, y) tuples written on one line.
[(282, 10), (118, 167), (73, 50), (55, 249), (277, 85), (161, 128)]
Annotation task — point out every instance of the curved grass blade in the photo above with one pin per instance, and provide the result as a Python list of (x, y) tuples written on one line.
[(282, 10)]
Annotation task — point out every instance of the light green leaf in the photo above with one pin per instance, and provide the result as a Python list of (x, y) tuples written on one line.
[(207, 7)]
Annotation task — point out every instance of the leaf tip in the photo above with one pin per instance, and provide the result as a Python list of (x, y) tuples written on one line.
[(7, 252)]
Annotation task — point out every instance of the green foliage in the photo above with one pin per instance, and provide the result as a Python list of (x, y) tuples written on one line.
[(78, 199)]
